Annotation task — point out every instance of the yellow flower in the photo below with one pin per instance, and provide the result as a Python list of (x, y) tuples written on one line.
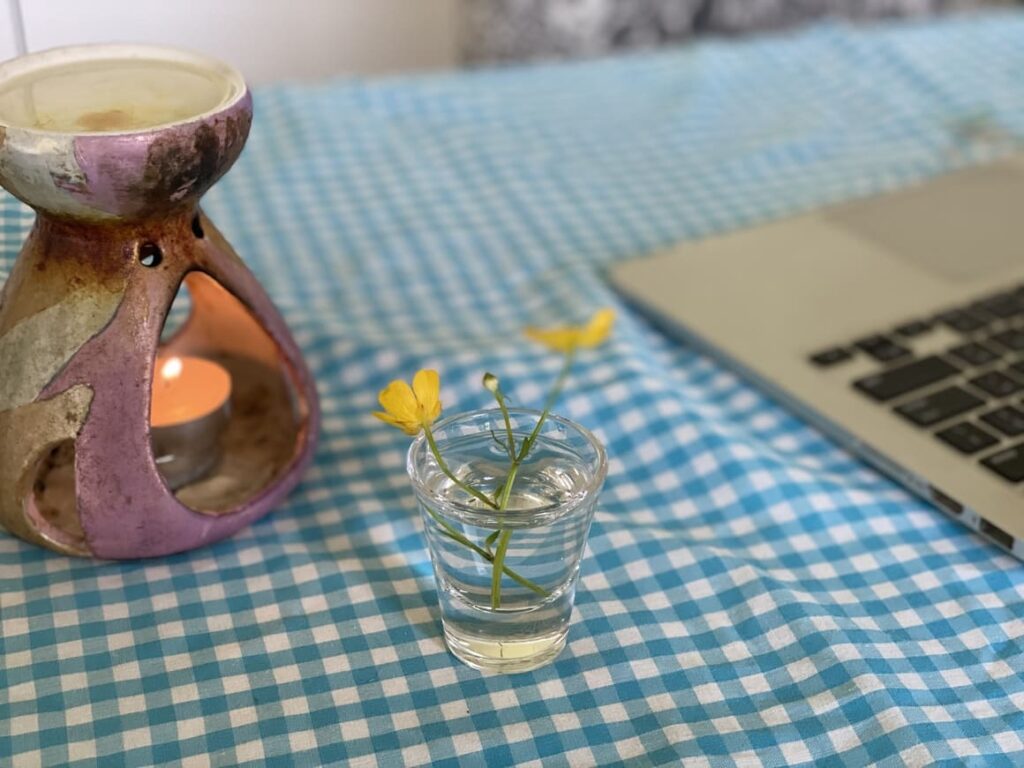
[(573, 337), (411, 408)]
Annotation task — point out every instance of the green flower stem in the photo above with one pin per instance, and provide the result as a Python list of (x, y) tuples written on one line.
[(505, 536), (453, 534), (500, 397), (552, 398), (502, 536), (499, 566), (499, 443), (489, 541), (443, 466), (510, 440)]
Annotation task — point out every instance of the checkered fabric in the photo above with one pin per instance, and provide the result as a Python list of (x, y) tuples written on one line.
[(752, 595)]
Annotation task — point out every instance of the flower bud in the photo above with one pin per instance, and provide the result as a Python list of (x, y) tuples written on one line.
[(491, 382)]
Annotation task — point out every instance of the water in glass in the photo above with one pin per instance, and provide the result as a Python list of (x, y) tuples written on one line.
[(524, 624)]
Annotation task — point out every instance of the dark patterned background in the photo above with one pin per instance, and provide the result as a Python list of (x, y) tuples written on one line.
[(509, 30)]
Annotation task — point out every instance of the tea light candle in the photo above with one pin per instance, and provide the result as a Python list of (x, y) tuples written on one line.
[(188, 411)]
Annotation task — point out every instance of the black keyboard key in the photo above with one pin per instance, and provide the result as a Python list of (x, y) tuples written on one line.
[(1007, 420), (975, 354), (1002, 306), (996, 384), (1012, 339), (913, 328), (966, 437), (893, 382), (882, 348), (1008, 464), (961, 320), (938, 406), (828, 357)]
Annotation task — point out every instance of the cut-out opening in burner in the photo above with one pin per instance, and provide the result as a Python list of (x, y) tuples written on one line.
[(231, 406), (177, 317), (51, 506), (150, 255)]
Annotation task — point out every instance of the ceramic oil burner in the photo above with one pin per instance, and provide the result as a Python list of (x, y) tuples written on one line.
[(119, 439)]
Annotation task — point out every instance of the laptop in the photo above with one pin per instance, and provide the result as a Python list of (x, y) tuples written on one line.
[(895, 324)]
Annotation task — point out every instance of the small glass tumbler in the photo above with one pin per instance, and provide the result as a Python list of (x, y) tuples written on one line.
[(519, 621)]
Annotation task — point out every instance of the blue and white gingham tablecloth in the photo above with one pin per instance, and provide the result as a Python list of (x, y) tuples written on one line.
[(752, 595)]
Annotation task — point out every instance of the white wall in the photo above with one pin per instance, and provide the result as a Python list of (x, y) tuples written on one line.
[(8, 20), (267, 40)]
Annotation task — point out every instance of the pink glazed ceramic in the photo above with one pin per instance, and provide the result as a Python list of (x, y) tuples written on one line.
[(113, 146)]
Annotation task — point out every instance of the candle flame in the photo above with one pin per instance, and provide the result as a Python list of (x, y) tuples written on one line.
[(171, 369)]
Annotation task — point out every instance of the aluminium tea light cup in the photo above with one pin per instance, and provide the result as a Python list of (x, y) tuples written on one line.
[(189, 410)]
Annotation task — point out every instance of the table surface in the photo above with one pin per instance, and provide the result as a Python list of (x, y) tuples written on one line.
[(752, 595)]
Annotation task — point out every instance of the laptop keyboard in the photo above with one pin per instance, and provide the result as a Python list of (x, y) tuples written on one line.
[(970, 396)]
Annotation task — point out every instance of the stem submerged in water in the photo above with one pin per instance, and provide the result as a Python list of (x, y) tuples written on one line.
[(454, 535), (503, 493), (498, 567), (505, 535), (443, 466)]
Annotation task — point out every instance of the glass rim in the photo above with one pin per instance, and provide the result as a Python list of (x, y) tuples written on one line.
[(486, 514)]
